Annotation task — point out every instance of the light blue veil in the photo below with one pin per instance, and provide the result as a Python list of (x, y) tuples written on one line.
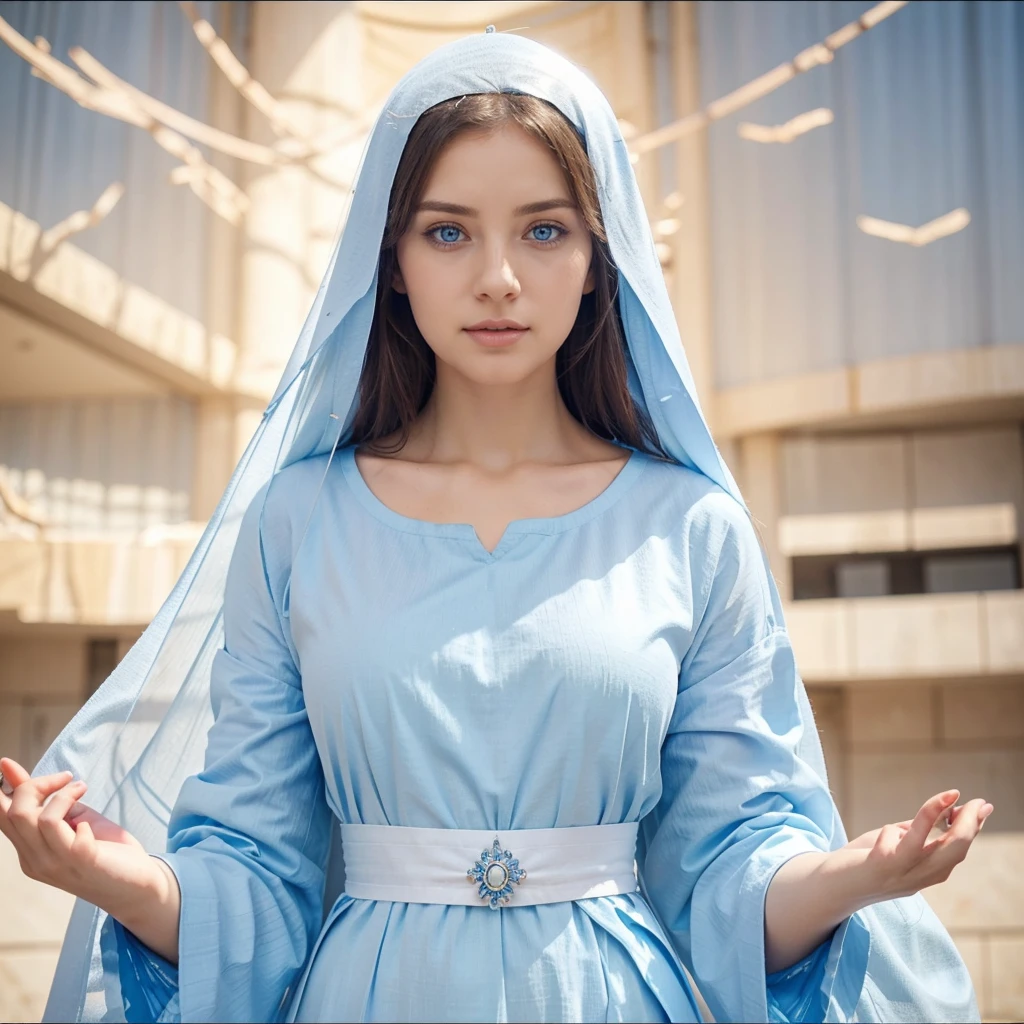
[(144, 730)]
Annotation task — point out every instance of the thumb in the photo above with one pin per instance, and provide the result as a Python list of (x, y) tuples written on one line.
[(13, 772)]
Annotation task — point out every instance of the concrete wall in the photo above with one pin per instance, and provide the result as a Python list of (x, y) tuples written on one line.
[(101, 464), (916, 636), (891, 746), (890, 491), (42, 684)]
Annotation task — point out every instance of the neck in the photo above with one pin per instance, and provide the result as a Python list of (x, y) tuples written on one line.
[(496, 426)]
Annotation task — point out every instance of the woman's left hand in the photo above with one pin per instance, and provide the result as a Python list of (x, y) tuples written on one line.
[(905, 857), (812, 893)]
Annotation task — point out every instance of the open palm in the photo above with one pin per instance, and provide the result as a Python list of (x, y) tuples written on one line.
[(908, 856)]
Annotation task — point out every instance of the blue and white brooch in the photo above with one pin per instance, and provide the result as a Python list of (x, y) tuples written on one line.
[(495, 873)]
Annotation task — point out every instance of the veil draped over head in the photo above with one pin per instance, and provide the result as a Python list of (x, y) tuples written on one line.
[(144, 730)]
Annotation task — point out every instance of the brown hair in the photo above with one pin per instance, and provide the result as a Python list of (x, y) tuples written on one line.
[(399, 370)]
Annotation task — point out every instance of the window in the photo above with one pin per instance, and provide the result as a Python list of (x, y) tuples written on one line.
[(905, 572), (102, 661), (944, 574)]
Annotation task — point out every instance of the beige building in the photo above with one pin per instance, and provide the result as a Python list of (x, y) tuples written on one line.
[(139, 342)]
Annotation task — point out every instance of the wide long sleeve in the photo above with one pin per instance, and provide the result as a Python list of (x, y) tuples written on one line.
[(249, 835), (738, 801)]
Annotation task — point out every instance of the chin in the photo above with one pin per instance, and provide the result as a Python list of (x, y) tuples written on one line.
[(503, 367)]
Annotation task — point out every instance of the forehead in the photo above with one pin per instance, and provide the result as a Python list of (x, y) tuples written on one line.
[(507, 166)]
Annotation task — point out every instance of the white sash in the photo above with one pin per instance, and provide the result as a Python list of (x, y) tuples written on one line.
[(463, 867)]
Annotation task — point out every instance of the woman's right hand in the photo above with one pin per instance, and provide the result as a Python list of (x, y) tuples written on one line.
[(63, 843)]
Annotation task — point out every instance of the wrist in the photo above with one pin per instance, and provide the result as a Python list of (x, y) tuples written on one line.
[(153, 888), (851, 881)]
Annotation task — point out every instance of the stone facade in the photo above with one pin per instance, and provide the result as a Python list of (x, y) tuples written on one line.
[(888, 746)]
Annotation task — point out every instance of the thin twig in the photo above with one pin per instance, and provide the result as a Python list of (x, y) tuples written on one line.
[(792, 129), (948, 224), (812, 57), (17, 505), (82, 219)]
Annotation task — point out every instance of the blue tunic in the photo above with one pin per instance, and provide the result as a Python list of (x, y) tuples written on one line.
[(617, 663)]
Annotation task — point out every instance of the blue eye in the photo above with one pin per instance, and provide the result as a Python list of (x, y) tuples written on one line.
[(545, 232), (447, 234)]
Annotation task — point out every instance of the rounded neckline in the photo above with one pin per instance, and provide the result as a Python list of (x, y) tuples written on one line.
[(546, 525)]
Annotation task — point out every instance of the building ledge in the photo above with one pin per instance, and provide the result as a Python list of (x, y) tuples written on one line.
[(78, 295), (118, 580), (926, 636), (916, 529), (958, 385)]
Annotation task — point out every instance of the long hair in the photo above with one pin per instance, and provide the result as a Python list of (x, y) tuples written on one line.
[(399, 368)]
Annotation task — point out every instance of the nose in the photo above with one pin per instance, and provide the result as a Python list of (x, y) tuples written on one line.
[(497, 279)]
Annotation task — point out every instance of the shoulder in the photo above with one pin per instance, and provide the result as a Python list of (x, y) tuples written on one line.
[(693, 501), (712, 537), (291, 492), (704, 525), (276, 513)]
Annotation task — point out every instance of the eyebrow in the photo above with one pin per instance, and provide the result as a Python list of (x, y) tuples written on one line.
[(520, 211)]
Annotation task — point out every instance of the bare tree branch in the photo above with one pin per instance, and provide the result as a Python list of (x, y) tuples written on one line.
[(785, 133), (214, 188), (226, 143), (237, 74), (84, 93), (294, 145), (222, 141), (82, 219), (948, 224), (812, 57), (17, 505)]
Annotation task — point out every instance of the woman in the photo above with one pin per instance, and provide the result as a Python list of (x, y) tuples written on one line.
[(500, 611)]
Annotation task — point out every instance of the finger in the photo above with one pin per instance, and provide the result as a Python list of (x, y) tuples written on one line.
[(13, 772), (102, 828), (926, 818), (28, 801), (84, 843), (56, 832), (43, 786), (950, 848), (82, 812), (969, 820), (77, 810), (14, 775)]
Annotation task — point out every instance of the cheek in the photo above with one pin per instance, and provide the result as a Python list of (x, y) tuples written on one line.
[(560, 283), (421, 274), (431, 286)]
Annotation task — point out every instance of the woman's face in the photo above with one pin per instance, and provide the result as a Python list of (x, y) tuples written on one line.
[(496, 258)]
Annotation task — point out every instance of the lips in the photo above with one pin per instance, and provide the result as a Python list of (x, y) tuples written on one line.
[(496, 333), (497, 325)]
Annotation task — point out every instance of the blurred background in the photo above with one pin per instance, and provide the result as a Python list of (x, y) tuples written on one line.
[(837, 192)]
